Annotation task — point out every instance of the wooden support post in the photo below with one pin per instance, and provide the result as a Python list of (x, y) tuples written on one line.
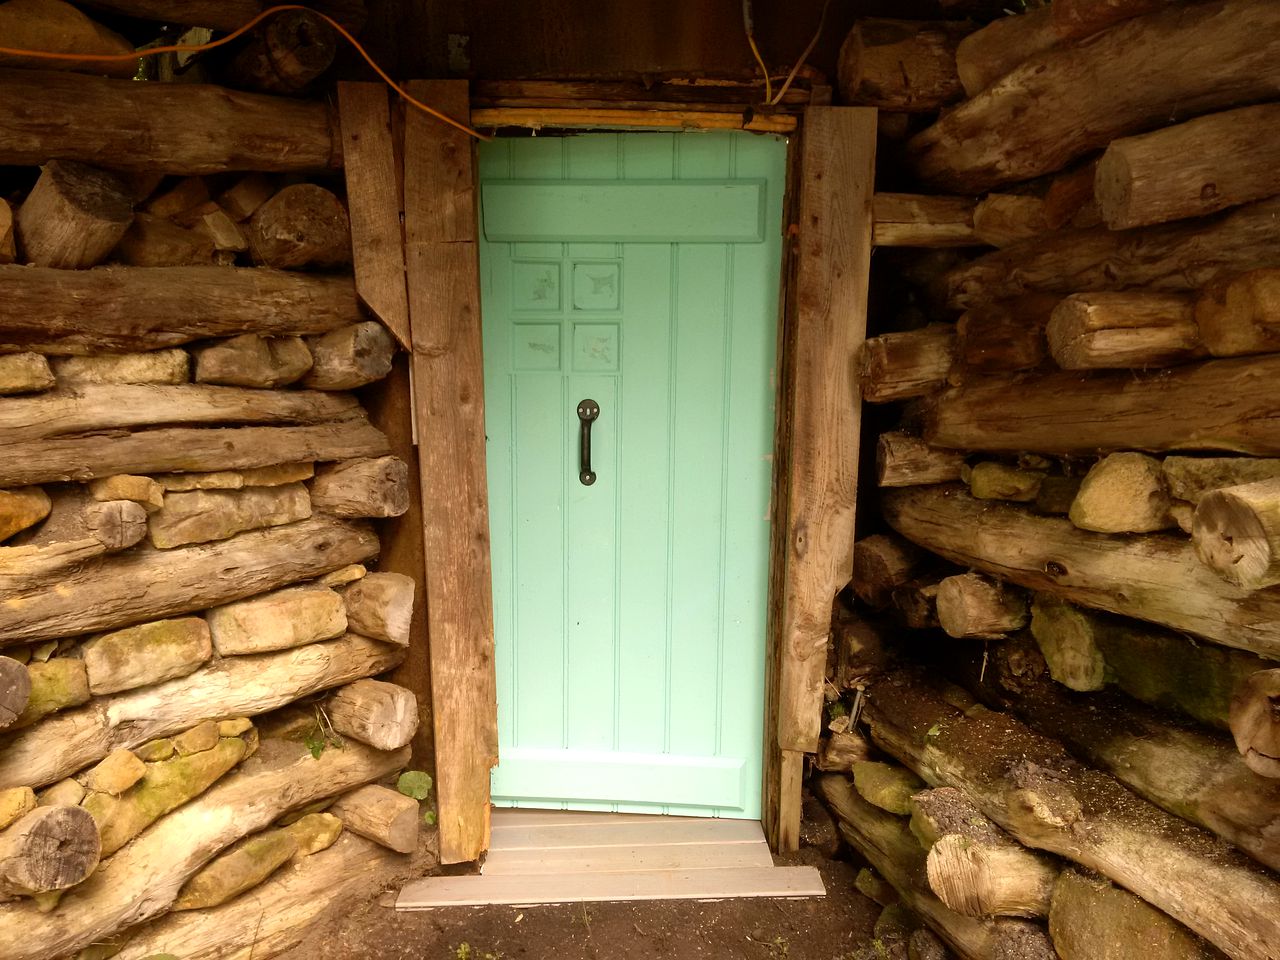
[(444, 307)]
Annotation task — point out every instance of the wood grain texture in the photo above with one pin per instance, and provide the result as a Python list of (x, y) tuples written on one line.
[(918, 220), (375, 204), (603, 118), (444, 304)]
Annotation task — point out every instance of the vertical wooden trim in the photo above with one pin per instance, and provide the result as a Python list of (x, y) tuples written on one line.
[(448, 373)]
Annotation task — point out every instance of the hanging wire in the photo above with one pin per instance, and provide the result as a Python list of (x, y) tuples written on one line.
[(782, 91), (749, 26)]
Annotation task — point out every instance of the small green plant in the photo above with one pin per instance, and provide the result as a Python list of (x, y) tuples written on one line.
[(836, 708), (322, 734), (463, 952), (415, 783), (779, 949)]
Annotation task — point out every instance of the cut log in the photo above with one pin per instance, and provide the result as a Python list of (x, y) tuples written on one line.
[(915, 220), (253, 361), (1168, 258), (992, 480), (1192, 169), (142, 881), (1083, 18), (187, 127), (116, 591), (906, 461), (986, 55), (15, 690), (1002, 337), (350, 357), (75, 529), (56, 684), (1031, 787), (907, 65), (74, 216), (155, 367), (362, 488), (380, 605), (1237, 533), (1241, 314), (380, 714), (51, 848), (246, 195), (301, 226), (1124, 330), (1189, 60), (1154, 578), (200, 516), (1190, 478), (21, 508), (896, 366), (233, 687), (1003, 219), (153, 242), (881, 564), (1123, 493), (886, 785), (971, 605), (24, 373), (1255, 722), (383, 815), (285, 54), (1217, 405), (146, 654), (242, 867), (143, 491), (15, 803), (56, 27), (888, 845), (277, 621), (122, 309)]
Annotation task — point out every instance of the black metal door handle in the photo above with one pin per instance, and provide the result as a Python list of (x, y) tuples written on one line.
[(588, 410)]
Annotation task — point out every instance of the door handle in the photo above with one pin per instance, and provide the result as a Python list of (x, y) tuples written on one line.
[(588, 410)]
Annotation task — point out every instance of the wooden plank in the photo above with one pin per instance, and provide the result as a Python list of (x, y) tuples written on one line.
[(670, 93), (717, 884), (917, 220), (444, 307), (834, 258), (504, 818), (614, 119), (627, 859), (375, 204), (673, 831)]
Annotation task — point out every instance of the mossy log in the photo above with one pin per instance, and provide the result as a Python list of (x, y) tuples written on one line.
[(51, 848)]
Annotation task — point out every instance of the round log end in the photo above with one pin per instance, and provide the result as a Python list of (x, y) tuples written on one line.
[(51, 848), (1255, 722), (1231, 535)]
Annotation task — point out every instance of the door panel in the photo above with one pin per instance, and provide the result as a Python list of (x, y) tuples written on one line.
[(630, 613)]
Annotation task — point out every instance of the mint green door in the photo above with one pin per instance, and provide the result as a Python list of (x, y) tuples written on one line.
[(639, 271)]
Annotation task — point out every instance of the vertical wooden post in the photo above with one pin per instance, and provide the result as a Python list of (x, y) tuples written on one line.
[(837, 177), (448, 374)]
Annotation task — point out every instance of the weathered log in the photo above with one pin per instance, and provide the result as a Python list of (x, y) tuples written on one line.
[(906, 461), (116, 591), (1169, 258), (375, 487), (232, 687), (1124, 329), (155, 367), (253, 361), (1002, 337), (146, 654), (187, 127), (283, 55), (24, 373), (21, 508), (122, 309), (200, 516), (992, 480), (1122, 493), (1082, 18), (1188, 60), (56, 27), (1237, 533), (277, 621), (143, 880), (75, 524), (153, 242), (1217, 405), (1154, 578), (1031, 787), (971, 605), (986, 55), (1192, 169), (15, 690), (916, 220), (380, 605), (56, 684), (350, 357), (1003, 219), (303, 225), (907, 65), (243, 866), (1241, 314), (1255, 722), (383, 815), (888, 845), (51, 848), (896, 366), (882, 563), (380, 714)]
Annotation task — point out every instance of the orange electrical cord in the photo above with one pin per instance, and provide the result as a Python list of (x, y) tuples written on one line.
[(199, 47)]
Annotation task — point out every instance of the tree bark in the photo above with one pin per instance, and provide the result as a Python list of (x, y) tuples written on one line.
[(906, 461), (1241, 314), (986, 55), (380, 714), (1217, 405), (57, 27), (381, 814), (15, 690), (123, 309), (1153, 578), (903, 65), (1124, 330), (188, 128), (51, 848), (303, 225), (283, 55), (1255, 722), (1123, 493), (350, 357), (1003, 219), (277, 621), (1237, 533), (73, 217), (1064, 102), (971, 605), (897, 366), (380, 605), (915, 220), (377, 487)]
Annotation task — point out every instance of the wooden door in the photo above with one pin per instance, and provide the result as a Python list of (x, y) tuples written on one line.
[(639, 271)]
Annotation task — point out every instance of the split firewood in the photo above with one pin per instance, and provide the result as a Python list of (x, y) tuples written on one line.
[(15, 803), (21, 508), (1123, 493), (303, 225), (232, 687), (1241, 314), (74, 216), (15, 690), (56, 684), (146, 654), (56, 27), (380, 605), (286, 54), (907, 65), (372, 487), (380, 714), (1124, 329), (897, 366), (383, 815), (200, 516), (916, 220), (972, 605), (153, 242), (51, 848), (1154, 578), (24, 373), (277, 621), (252, 361), (187, 194), (1237, 533), (886, 785), (1255, 722), (214, 223), (1003, 219), (156, 367), (881, 563), (1069, 199), (246, 195), (906, 461), (8, 248), (241, 867), (1192, 60), (1192, 169), (129, 889), (987, 54), (350, 357), (993, 480), (1003, 337), (144, 491)]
